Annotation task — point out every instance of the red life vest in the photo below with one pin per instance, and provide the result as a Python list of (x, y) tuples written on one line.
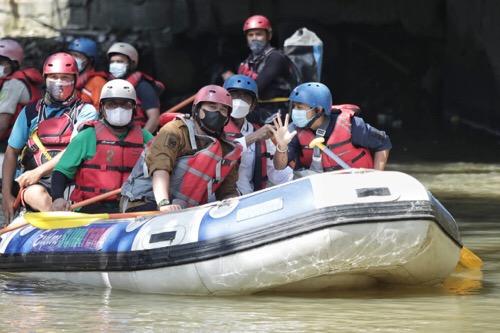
[(140, 116), (32, 79), (111, 165), (54, 133), (205, 169), (260, 166), (339, 142)]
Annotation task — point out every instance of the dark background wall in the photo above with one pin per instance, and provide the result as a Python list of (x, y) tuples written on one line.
[(409, 64)]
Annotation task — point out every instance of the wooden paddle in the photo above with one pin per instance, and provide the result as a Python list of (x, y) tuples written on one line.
[(182, 104), (468, 258)]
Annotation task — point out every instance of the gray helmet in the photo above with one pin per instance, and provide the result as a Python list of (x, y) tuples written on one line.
[(125, 49), (118, 89)]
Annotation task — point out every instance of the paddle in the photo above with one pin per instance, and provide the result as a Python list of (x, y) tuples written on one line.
[(467, 258), (182, 104), (318, 142)]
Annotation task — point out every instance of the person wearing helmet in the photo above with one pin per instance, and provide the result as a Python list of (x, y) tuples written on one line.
[(184, 163), (42, 131), (101, 156), (269, 67), (256, 166), (18, 87), (357, 143), (90, 82), (123, 61)]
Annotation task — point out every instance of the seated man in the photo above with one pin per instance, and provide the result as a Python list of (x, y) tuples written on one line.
[(190, 161), (18, 87), (256, 166), (90, 82), (123, 61), (358, 144), (43, 129), (101, 157)]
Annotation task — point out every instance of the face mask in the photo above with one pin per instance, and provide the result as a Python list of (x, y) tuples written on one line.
[(81, 64), (213, 122), (118, 116), (2, 71), (240, 109), (299, 118), (60, 90), (257, 46), (118, 69)]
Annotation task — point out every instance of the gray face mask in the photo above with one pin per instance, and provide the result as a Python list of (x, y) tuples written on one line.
[(257, 46)]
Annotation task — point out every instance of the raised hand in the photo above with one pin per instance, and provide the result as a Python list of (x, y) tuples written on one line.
[(281, 134)]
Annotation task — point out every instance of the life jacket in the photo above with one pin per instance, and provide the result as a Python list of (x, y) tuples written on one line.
[(140, 116), (52, 134), (195, 177), (339, 142), (280, 87), (111, 164), (32, 79), (88, 91), (261, 155)]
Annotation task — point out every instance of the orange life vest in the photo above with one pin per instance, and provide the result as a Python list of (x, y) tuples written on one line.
[(339, 142), (111, 164), (32, 79), (89, 85)]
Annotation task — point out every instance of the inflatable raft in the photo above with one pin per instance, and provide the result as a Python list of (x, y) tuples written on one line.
[(343, 229)]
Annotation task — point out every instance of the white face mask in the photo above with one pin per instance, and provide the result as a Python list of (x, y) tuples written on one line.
[(118, 69), (2, 71), (118, 116), (240, 109)]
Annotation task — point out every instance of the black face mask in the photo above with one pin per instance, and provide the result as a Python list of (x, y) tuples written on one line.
[(213, 123)]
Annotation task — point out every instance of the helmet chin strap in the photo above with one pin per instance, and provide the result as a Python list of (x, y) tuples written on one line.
[(313, 119)]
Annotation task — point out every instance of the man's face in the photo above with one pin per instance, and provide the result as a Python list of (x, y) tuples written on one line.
[(213, 107), (118, 58), (257, 34)]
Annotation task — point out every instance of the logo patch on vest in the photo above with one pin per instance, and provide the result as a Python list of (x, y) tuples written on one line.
[(171, 141)]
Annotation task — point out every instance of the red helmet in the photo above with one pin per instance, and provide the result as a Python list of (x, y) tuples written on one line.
[(12, 50), (257, 22), (60, 63), (214, 94)]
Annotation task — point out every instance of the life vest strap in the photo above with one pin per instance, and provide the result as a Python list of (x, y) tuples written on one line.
[(40, 145)]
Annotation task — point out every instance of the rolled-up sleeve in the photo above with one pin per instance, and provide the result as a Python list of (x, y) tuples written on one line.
[(364, 135)]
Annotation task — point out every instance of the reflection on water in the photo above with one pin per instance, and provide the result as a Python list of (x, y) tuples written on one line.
[(468, 301)]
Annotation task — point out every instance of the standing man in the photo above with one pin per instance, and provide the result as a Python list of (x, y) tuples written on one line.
[(42, 131), (357, 143), (123, 61), (100, 158), (90, 82), (18, 87), (256, 167), (269, 67)]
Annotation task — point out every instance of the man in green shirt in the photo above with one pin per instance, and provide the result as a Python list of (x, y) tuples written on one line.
[(99, 159)]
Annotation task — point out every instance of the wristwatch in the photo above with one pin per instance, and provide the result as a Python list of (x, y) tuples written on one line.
[(163, 202)]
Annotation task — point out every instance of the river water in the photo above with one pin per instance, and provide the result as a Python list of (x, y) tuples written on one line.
[(469, 301)]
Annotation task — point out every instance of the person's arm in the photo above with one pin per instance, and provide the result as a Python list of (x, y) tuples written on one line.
[(5, 119), (263, 133), (282, 137), (161, 183), (150, 103), (153, 115), (8, 171), (364, 135), (58, 185), (380, 159), (276, 176)]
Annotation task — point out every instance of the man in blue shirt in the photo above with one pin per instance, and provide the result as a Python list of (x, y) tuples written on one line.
[(41, 132), (358, 144)]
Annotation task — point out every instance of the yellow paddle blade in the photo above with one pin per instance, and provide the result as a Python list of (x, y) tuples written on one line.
[(469, 259), (62, 220)]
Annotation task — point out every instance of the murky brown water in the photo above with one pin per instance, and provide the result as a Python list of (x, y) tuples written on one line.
[(468, 302)]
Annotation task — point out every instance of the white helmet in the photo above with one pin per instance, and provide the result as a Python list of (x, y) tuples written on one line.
[(118, 89), (125, 49)]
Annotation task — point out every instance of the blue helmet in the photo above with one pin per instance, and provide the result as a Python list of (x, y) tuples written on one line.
[(314, 94), (241, 82), (85, 46)]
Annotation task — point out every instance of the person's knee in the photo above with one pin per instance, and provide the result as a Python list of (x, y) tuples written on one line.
[(37, 197)]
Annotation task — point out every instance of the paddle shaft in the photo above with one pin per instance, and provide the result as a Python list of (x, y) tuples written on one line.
[(331, 154), (182, 104), (95, 199)]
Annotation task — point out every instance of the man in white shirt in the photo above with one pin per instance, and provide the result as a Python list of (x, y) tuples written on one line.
[(257, 167)]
